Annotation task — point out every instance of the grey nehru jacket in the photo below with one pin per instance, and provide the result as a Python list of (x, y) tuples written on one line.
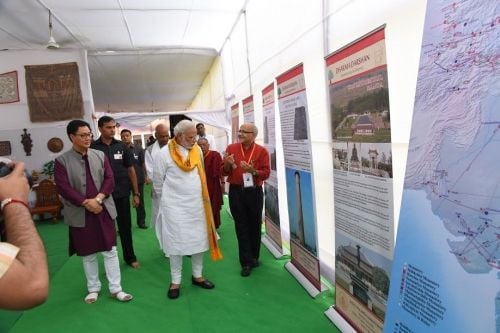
[(75, 167)]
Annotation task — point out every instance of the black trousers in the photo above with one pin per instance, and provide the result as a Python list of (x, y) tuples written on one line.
[(139, 210), (246, 207), (123, 220)]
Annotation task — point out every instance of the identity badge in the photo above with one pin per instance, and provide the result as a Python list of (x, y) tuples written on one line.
[(248, 180)]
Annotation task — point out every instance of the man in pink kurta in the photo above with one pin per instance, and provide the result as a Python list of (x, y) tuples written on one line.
[(215, 184)]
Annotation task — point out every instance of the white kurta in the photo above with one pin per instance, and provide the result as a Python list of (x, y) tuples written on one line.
[(180, 224), (149, 157)]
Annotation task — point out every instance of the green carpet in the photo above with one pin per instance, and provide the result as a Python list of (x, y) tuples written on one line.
[(270, 300)]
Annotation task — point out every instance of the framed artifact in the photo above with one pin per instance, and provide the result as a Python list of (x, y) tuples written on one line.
[(9, 90), (5, 149), (55, 145)]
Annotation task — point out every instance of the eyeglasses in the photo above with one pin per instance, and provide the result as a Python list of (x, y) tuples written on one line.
[(85, 135), (246, 132)]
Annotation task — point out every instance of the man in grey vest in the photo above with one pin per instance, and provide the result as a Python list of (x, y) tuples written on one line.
[(84, 179)]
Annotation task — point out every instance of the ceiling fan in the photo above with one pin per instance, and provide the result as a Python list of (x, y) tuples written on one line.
[(52, 44)]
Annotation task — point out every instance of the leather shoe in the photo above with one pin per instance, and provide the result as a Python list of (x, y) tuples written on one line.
[(245, 271), (174, 293), (142, 226), (205, 284)]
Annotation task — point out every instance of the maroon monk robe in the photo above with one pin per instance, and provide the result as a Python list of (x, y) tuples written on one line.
[(213, 162)]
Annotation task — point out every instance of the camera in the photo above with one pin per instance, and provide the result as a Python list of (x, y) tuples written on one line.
[(6, 168)]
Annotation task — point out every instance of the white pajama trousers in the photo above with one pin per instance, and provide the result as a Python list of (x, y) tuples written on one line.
[(176, 266), (112, 267)]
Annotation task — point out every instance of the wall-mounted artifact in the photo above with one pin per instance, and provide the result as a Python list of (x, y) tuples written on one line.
[(55, 145), (9, 90), (5, 149), (27, 142)]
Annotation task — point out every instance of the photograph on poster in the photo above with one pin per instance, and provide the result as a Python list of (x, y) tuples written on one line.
[(340, 156), (300, 124), (362, 272), (271, 204), (360, 108), (301, 208), (376, 159), (272, 155), (266, 131), (353, 157)]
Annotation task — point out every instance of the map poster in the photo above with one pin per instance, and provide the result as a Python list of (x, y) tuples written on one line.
[(248, 110), (292, 102), (362, 175), (271, 207), (445, 276), (235, 122)]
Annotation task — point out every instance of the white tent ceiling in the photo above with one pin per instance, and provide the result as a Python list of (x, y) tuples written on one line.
[(143, 55)]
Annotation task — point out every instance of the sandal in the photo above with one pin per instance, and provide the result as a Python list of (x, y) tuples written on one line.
[(122, 296), (91, 297)]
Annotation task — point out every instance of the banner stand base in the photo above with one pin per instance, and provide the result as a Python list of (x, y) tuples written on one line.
[(270, 246), (308, 286), (339, 321)]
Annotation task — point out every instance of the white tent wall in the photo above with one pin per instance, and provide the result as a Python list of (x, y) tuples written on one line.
[(211, 96), (284, 33), (15, 116)]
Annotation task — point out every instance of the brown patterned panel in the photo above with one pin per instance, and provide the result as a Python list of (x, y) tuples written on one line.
[(5, 148)]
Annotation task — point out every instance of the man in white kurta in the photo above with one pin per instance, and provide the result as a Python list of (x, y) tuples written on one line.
[(181, 218), (162, 136)]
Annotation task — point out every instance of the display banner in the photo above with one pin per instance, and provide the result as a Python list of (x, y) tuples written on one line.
[(235, 122), (362, 175), (445, 276), (292, 102), (248, 110), (271, 207)]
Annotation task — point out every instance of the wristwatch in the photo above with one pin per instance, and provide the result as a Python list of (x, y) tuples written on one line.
[(99, 200), (137, 194)]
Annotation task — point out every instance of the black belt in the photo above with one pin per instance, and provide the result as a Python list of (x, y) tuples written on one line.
[(238, 186)]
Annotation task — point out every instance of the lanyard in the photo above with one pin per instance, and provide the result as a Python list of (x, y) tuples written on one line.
[(251, 154)]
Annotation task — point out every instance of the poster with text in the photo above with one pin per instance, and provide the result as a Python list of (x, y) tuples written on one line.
[(445, 275), (292, 102), (248, 110), (271, 207), (235, 122), (362, 173)]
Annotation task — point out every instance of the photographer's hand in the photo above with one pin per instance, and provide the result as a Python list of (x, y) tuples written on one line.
[(25, 284), (15, 185)]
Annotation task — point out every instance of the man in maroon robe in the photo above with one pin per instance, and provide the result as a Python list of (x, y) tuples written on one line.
[(215, 182)]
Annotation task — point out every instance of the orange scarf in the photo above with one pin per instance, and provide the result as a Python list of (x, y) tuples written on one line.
[(194, 160)]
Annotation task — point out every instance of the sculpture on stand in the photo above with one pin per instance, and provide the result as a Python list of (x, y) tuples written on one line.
[(27, 142)]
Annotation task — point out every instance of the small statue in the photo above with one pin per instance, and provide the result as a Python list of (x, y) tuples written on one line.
[(27, 142)]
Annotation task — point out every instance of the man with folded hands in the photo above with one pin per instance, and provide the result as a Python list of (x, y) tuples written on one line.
[(84, 180)]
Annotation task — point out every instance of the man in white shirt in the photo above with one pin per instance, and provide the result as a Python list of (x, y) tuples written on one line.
[(200, 131), (162, 137)]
